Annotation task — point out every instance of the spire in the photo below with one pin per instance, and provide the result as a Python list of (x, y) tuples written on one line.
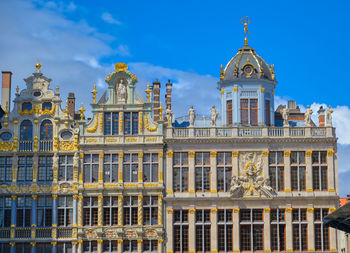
[(245, 22), (94, 93), (38, 66)]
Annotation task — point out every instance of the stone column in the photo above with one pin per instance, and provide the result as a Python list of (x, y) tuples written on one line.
[(120, 245), (140, 179), (75, 210), (74, 247), (80, 210), (169, 173), (261, 106), (160, 209), (235, 163), (160, 168), (214, 173), (100, 168), (34, 212), (14, 168), (13, 218), (160, 245), (54, 247), (121, 119), (236, 246), (191, 172), (333, 239), (265, 159), (310, 229), (267, 230), (33, 249), (100, 210), (330, 156), (214, 230), (140, 210), (192, 230), (120, 210), (99, 246), (169, 230), (120, 167), (139, 245), (54, 210), (235, 107), (308, 162), (80, 246), (287, 171), (35, 167), (289, 230)]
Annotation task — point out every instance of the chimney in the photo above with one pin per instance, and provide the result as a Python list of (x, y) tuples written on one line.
[(321, 117), (169, 86), (6, 90), (71, 104), (156, 102)]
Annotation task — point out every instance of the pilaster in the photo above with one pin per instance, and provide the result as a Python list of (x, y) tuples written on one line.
[(192, 230), (140, 179), (308, 162), (169, 173), (35, 167), (99, 246), (120, 167), (139, 245), (214, 172), (236, 246), (160, 209), (191, 172), (75, 210), (261, 107), (34, 211), (289, 230), (265, 159), (160, 245), (287, 171), (100, 168), (54, 210), (310, 229), (80, 210), (330, 160), (235, 165), (214, 230), (13, 212), (267, 230), (100, 210), (169, 230), (120, 210), (120, 245), (14, 168), (140, 210)]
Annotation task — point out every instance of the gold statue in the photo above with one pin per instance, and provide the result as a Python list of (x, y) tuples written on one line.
[(245, 21)]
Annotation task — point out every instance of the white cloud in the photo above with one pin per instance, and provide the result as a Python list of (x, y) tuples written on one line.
[(107, 17)]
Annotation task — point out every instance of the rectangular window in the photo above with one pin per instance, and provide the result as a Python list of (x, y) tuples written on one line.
[(202, 170), (319, 171), (249, 111), (224, 166), (229, 112), (64, 247), (25, 168), (267, 113), (24, 211), (299, 221), (278, 230), (90, 247), (5, 169), (225, 230), (65, 211), (150, 246), (111, 123), (203, 225), (23, 248), (180, 170), (298, 170), (244, 111), (251, 229), (131, 123), (150, 167), (150, 210), (130, 246), (253, 106), (65, 168), (110, 210), (110, 168), (5, 211), (321, 231), (90, 168), (130, 167), (44, 211), (90, 211), (45, 172), (43, 247), (276, 169), (180, 225), (110, 247), (130, 210)]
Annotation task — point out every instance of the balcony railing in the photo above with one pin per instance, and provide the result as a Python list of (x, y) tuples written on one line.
[(5, 233), (64, 233), (25, 146), (202, 132), (276, 131), (43, 233), (23, 233), (45, 146), (297, 131), (249, 131)]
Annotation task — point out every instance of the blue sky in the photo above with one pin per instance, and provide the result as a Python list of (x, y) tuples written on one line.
[(78, 42)]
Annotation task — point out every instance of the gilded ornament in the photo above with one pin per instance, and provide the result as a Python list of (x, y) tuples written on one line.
[(330, 152), (121, 67), (192, 210), (151, 139), (94, 93), (82, 110), (287, 153), (6, 146), (213, 153), (94, 128), (147, 125), (267, 210), (148, 91), (67, 145), (214, 210), (235, 153), (191, 154), (170, 210), (265, 153), (111, 139), (262, 89), (131, 139), (310, 209), (289, 210), (47, 111), (170, 153), (91, 140), (235, 89), (121, 122), (236, 210), (25, 111), (160, 154), (308, 153)]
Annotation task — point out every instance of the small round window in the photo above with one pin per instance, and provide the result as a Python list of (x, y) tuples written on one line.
[(66, 135), (6, 136), (37, 94)]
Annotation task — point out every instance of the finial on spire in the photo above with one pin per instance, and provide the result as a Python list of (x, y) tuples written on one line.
[(148, 91), (94, 92), (57, 89), (161, 111), (17, 90), (221, 72), (38, 66), (82, 110), (66, 111), (245, 21)]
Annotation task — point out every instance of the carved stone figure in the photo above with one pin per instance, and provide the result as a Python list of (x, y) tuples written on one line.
[(192, 116), (122, 93), (285, 116), (169, 115), (329, 112), (213, 116), (236, 188), (307, 116), (76, 160)]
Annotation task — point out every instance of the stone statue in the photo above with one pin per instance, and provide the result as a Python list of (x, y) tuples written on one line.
[(307, 116), (122, 92), (169, 115), (329, 112), (236, 187), (285, 116), (192, 116), (76, 160), (213, 116)]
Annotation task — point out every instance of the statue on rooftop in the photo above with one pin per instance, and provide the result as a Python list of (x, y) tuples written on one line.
[(122, 94), (213, 116), (329, 112), (192, 116), (285, 116), (307, 116), (169, 115)]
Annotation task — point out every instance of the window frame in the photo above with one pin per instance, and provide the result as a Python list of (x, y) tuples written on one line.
[(318, 167), (130, 208), (319, 222), (181, 167), (276, 169), (300, 223), (26, 210), (6, 169), (110, 168), (65, 167), (279, 222), (298, 166), (90, 211), (111, 124), (225, 166), (227, 225), (5, 211), (150, 207), (183, 227), (202, 172), (91, 168), (110, 210), (45, 168), (130, 165), (152, 174), (27, 169), (66, 210), (47, 210), (252, 225)]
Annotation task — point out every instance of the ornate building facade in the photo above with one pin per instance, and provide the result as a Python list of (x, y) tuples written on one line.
[(128, 180)]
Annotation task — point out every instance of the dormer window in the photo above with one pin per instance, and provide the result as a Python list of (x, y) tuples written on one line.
[(27, 106), (46, 106), (37, 93), (249, 112)]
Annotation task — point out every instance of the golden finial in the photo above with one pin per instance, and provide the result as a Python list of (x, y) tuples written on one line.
[(38, 66), (273, 72), (221, 72), (17, 90), (82, 110), (57, 89), (7, 110), (94, 92), (245, 21), (121, 67), (161, 111), (148, 91), (66, 111)]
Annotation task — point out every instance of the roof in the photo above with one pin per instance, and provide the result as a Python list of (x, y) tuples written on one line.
[(340, 218)]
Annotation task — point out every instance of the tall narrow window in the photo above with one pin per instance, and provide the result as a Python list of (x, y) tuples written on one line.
[(150, 210), (90, 247), (45, 172), (43, 247), (90, 168), (130, 246), (299, 221), (5, 169), (131, 123), (65, 168), (224, 165), (130, 210), (229, 112), (249, 111), (203, 225), (110, 246), (46, 129), (202, 170), (130, 167), (44, 211), (253, 104), (180, 230), (276, 168), (150, 246), (110, 210), (150, 167), (244, 111), (6, 247), (26, 130), (278, 230), (321, 231), (251, 229), (5, 211), (180, 170), (111, 123), (25, 168), (65, 211), (24, 211), (225, 230), (23, 248), (319, 171), (64, 247), (267, 113), (110, 168), (298, 177), (90, 208)]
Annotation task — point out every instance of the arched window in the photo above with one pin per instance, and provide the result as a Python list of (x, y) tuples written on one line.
[(26, 131), (46, 130)]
